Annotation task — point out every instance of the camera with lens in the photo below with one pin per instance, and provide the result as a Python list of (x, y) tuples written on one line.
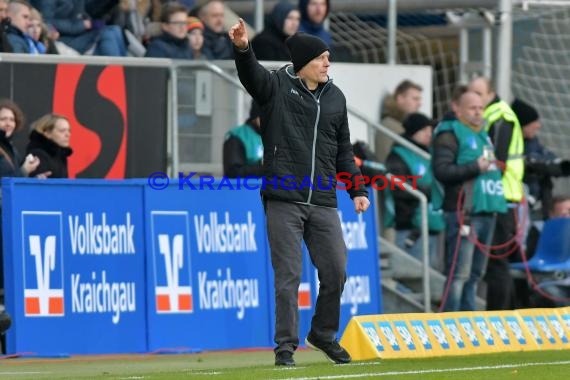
[(547, 168)]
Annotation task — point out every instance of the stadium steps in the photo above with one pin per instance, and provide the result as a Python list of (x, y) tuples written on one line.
[(402, 283)]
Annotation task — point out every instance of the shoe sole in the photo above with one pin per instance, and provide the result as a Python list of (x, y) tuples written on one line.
[(309, 344)]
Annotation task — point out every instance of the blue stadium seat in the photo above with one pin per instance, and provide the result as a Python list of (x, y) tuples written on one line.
[(553, 250)]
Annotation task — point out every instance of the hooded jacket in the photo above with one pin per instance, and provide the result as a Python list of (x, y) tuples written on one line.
[(310, 27), (305, 135), (269, 45), (53, 158)]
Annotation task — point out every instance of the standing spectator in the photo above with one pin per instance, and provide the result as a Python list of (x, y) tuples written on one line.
[(49, 141), (173, 42), (5, 46), (506, 134), (460, 164), (407, 99), (79, 31), (243, 148), (269, 45), (196, 39), (216, 39), (305, 136), (404, 162), (313, 15), (19, 12)]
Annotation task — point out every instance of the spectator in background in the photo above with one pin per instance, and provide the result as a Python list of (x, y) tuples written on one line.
[(407, 99), (5, 46), (173, 42), (460, 164), (269, 45), (541, 165), (196, 39), (216, 39), (49, 141), (407, 217), (79, 31), (243, 148), (313, 15), (39, 33), (19, 12)]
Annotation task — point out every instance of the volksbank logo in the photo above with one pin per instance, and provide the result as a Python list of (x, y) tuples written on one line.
[(43, 264), (171, 257)]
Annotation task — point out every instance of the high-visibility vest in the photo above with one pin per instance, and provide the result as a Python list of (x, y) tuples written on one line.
[(514, 171)]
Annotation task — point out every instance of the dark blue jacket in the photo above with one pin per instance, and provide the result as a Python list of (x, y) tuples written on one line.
[(65, 15), (168, 46), (17, 40), (310, 27)]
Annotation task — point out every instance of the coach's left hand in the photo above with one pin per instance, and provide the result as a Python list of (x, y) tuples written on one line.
[(361, 204)]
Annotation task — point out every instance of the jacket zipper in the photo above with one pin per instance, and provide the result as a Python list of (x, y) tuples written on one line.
[(315, 130)]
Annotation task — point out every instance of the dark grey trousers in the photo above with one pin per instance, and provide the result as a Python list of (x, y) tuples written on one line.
[(287, 224)]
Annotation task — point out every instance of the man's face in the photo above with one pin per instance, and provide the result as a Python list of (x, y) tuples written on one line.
[(3, 9), (410, 101), (214, 16), (470, 109), (317, 11), (292, 21), (531, 129), (177, 25), (423, 136), (561, 210), (317, 70), (20, 16), (481, 87)]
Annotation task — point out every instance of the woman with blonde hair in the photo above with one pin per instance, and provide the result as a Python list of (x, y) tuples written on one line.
[(49, 141)]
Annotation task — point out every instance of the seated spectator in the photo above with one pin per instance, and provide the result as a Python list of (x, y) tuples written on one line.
[(79, 31), (19, 12), (5, 46), (173, 42), (196, 39), (313, 15), (407, 219), (243, 148), (269, 45), (216, 38), (49, 141), (39, 33)]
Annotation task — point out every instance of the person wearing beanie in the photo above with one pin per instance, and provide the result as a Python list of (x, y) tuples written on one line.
[(540, 163), (243, 148), (306, 139), (269, 45), (313, 16), (406, 218), (195, 30), (173, 42)]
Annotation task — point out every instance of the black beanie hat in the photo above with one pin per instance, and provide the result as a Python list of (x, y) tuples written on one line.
[(525, 112), (416, 122), (304, 48)]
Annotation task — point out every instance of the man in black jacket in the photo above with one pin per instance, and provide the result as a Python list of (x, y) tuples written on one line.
[(5, 46), (304, 127)]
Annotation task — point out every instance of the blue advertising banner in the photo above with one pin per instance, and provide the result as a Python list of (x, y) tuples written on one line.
[(208, 272), (74, 258)]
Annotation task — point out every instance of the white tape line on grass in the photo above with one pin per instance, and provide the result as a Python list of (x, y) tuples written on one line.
[(22, 373), (424, 371)]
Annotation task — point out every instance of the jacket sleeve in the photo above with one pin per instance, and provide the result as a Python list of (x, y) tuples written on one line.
[(51, 11), (259, 82), (445, 168), (18, 44), (345, 159), (397, 166), (235, 163), (501, 133)]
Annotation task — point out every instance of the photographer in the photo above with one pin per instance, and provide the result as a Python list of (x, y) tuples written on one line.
[(540, 163)]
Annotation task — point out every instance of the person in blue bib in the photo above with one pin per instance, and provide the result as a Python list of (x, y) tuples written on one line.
[(406, 219), (462, 163)]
